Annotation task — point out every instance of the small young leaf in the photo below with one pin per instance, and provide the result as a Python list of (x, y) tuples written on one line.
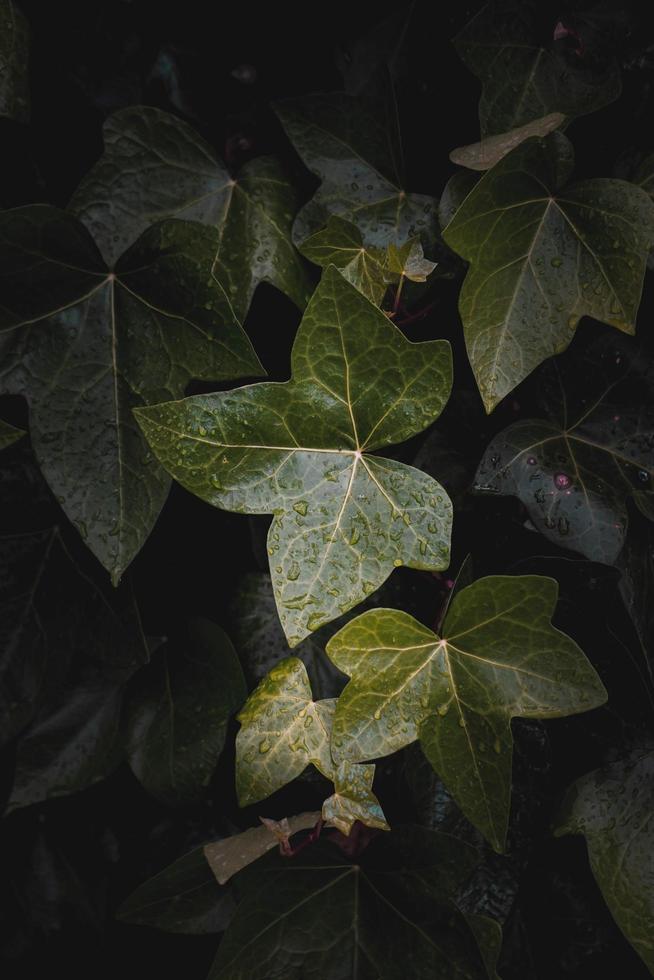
[(14, 59), (499, 658), (340, 243), (353, 799), (407, 261), (614, 809), (343, 519), (542, 255)]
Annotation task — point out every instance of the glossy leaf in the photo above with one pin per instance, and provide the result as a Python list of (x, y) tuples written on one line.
[(353, 799), (230, 855), (614, 809), (155, 166), (521, 80), (184, 897), (575, 471), (177, 712), (9, 434), (343, 519), (126, 337), (407, 261), (283, 730), (348, 149), (499, 657), (340, 244), (543, 253), (325, 919), (14, 58), (492, 149)]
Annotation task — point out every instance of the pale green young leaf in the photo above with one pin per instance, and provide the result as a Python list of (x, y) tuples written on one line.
[(340, 244), (353, 799)]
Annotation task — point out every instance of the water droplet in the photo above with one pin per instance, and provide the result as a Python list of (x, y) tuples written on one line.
[(556, 261), (301, 507), (442, 709), (264, 746), (293, 572), (531, 460), (562, 481), (397, 562)]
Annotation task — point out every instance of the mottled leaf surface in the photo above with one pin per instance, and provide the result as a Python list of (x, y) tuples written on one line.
[(543, 253), (155, 166), (521, 80), (282, 731), (343, 519), (177, 712), (14, 59), (499, 657), (349, 150), (113, 340), (614, 809), (353, 799)]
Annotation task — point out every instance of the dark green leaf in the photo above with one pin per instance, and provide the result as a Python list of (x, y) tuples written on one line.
[(184, 897), (129, 337), (155, 166), (499, 658), (522, 80), (614, 809), (544, 253), (14, 58), (343, 519), (488, 936), (177, 712), (9, 434)]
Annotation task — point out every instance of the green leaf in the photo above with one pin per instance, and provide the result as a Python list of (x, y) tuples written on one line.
[(343, 519), (521, 80), (348, 149), (340, 244), (184, 897), (499, 658), (488, 936), (544, 253), (283, 730), (575, 472), (614, 809), (14, 58), (389, 915), (177, 712), (408, 261), (353, 799), (492, 149), (115, 340), (155, 166), (9, 434)]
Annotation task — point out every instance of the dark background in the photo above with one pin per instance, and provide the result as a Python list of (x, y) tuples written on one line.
[(66, 865)]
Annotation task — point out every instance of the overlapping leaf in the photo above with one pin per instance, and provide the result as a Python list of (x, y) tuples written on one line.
[(499, 658), (614, 809), (353, 799), (521, 79), (14, 59), (492, 149), (113, 340), (177, 712), (575, 471), (544, 253), (340, 244), (349, 150), (343, 519), (155, 166)]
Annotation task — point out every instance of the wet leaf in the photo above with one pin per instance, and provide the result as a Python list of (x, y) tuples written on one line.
[(177, 712), (408, 261), (492, 149), (614, 809), (499, 658), (14, 59), (184, 897), (349, 150), (282, 731), (230, 855), (353, 799), (543, 253), (343, 519), (113, 340), (340, 243), (521, 80), (155, 166)]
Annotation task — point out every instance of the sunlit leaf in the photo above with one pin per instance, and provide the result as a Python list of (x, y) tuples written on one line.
[(499, 657), (543, 253), (343, 519)]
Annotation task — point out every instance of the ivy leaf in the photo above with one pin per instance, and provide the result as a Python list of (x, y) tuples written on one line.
[(230, 855), (340, 244), (184, 897), (408, 261), (155, 166), (614, 809), (388, 915), (575, 473), (283, 730), (499, 658), (492, 149), (348, 149), (353, 799), (521, 80), (544, 253), (343, 519), (115, 339), (9, 434), (14, 57), (177, 712)]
